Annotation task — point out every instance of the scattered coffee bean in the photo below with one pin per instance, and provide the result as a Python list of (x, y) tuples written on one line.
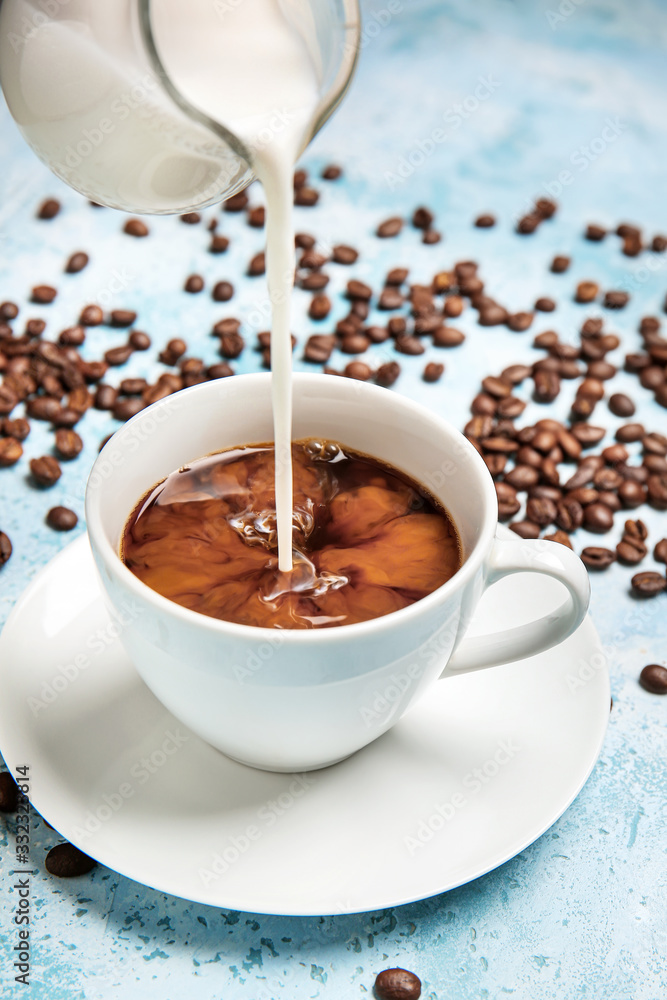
[(45, 470), (659, 244), (43, 294), (76, 262), (126, 407), (431, 236), (653, 678), (319, 348), (257, 217), (586, 291), (223, 291), (306, 197), (397, 984), (387, 373), (320, 307), (648, 584), (545, 305), (10, 451), (68, 443), (190, 218), (5, 548), (528, 224), (67, 861), (560, 264), (615, 300), (598, 518), (630, 550), (485, 221), (218, 244), (257, 265), (91, 316), (72, 336), (48, 209), (433, 371), (344, 255), (358, 370), (135, 227), (118, 355), (332, 172), (18, 428), (660, 551), (194, 284), (594, 557), (231, 344), (520, 321), (559, 536), (61, 519), (389, 228), (595, 233), (139, 341)]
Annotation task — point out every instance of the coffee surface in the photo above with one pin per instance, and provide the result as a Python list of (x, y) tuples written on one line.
[(367, 540)]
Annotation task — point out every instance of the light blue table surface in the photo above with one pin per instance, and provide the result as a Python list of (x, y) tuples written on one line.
[(577, 87)]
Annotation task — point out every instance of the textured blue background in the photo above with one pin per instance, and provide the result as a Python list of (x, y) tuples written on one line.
[(582, 912)]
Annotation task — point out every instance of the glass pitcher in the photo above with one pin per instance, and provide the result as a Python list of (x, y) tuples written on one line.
[(90, 85)]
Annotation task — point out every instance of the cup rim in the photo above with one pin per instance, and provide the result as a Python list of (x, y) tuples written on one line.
[(218, 626)]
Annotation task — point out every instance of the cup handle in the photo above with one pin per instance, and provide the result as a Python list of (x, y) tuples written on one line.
[(533, 556)]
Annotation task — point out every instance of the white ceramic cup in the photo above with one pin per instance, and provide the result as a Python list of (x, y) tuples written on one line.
[(294, 700)]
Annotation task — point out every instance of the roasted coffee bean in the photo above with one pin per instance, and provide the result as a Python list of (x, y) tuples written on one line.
[(320, 307), (516, 373), (219, 370), (135, 227), (541, 510), (569, 514), (484, 404), (453, 306), (332, 172), (659, 244), (72, 336), (231, 345), (45, 470), (359, 290), (222, 291), (615, 300), (314, 281), (91, 316), (190, 218), (397, 984), (391, 298), (586, 291), (127, 406), (657, 491), (655, 464), (300, 178), (42, 407), (10, 451), (495, 463), (655, 444), (319, 347), (139, 341), (407, 344), (560, 264), (9, 793), (256, 267), (357, 343), (660, 551), (598, 518), (595, 233), (313, 260), (68, 443), (496, 387), (8, 400), (67, 861), (118, 355), (601, 371), (48, 209), (447, 336), (545, 305), (306, 197), (422, 218), (236, 203), (358, 370), (43, 294), (511, 407), (630, 551), (485, 221), (522, 476), (105, 397), (632, 245), (397, 276), (607, 479), (18, 428), (653, 678), (632, 494), (520, 321), (528, 224), (433, 371), (389, 228), (547, 386), (630, 432), (133, 386), (5, 548), (559, 536), (67, 416), (594, 557), (76, 262), (61, 519), (648, 584), (500, 444), (194, 284), (377, 334), (525, 529), (257, 217), (218, 244), (479, 426), (8, 311), (387, 373), (431, 236), (344, 254), (492, 314)]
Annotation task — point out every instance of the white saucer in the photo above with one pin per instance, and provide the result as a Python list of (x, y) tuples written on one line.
[(401, 820)]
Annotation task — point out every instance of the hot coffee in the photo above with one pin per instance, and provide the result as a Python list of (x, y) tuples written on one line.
[(367, 540)]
